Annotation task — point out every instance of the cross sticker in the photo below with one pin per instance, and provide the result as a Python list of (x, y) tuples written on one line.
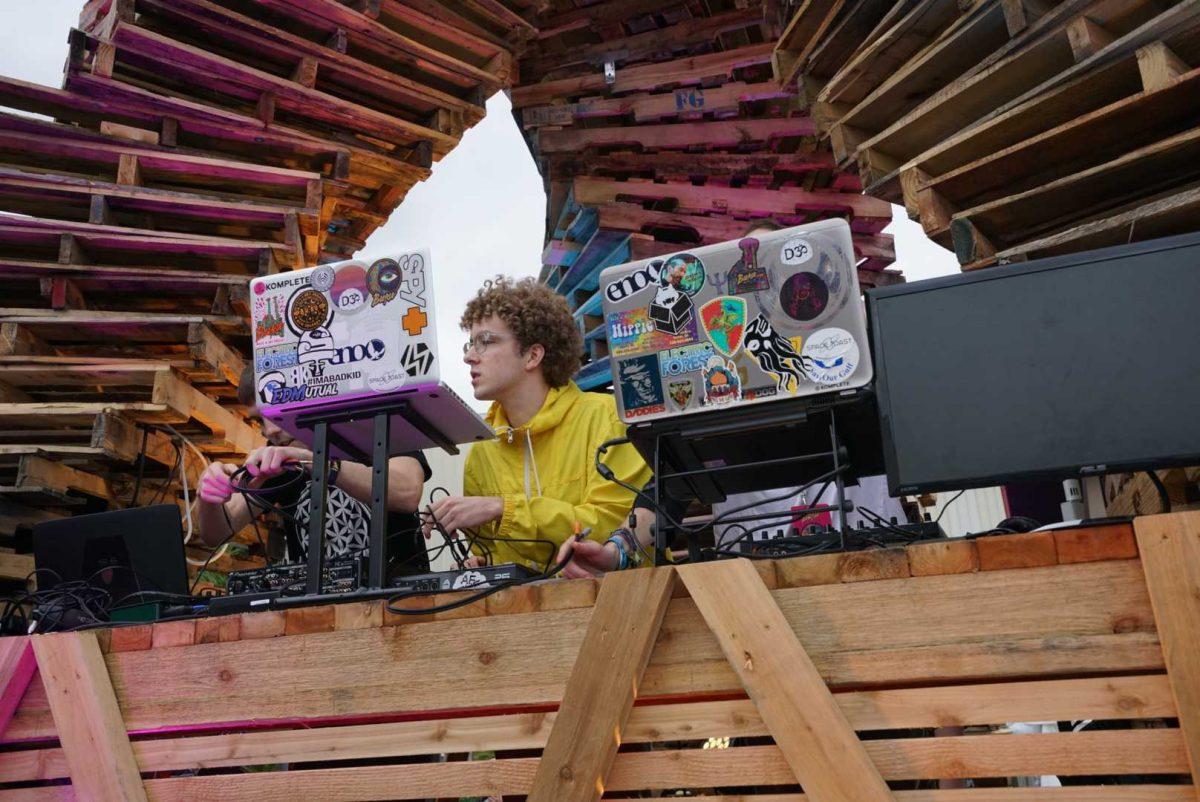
[(414, 321)]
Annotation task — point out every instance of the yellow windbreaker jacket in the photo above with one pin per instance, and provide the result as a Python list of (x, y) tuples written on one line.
[(545, 472)]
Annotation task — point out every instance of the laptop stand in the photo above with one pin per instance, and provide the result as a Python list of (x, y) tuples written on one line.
[(322, 424)]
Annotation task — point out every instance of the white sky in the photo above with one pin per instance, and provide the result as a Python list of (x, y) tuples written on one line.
[(480, 213)]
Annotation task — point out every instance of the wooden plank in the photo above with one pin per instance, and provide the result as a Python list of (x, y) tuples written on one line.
[(942, 557), (814, 736), (1090, 544), (1026, 550), (17, 667), (15, 567), (1016, 623), (687, 71), (1170, 550), (721, 134), (1110, 698), (603, 685), (786, 201), (87, 718)]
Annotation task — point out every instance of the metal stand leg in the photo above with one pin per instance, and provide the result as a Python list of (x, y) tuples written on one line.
[(316, 508), (660, 535), (377, 552), (839, 483)]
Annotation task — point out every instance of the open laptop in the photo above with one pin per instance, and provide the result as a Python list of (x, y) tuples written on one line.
[(358, 335), (122, 551), (758, 320)]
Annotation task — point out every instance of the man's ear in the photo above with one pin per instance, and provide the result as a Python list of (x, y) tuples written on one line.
[(534, 356)]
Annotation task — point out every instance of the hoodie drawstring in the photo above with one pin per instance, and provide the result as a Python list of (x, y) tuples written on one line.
[(529, 460)]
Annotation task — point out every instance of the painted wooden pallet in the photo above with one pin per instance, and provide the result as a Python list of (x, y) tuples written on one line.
[(1069, 625)]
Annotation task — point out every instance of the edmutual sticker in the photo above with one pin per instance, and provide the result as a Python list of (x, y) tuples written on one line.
[(834, 355)]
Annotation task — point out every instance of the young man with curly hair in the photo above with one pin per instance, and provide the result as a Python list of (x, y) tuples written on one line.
[(537, 479)]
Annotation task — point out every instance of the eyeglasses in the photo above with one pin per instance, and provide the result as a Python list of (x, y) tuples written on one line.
[(480, 343)]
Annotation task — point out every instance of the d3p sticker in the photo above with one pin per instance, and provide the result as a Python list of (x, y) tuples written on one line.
[(349, 289)]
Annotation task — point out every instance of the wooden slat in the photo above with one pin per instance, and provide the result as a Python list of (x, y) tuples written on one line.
[(1170, 549), (964, 705), (818, 742), (603, 686), (87, 718), (1153, 751), (1021, 623)]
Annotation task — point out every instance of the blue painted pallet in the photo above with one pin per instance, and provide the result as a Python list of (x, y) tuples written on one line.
[(594, 375), (584, 225), (604, 249)]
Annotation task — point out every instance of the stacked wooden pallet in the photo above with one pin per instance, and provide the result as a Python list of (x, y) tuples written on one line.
[(837, 670), (1011, 129), (688, 141), (196, 144)]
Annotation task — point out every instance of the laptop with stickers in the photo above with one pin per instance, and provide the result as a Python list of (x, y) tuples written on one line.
[(354, 336), (766, 318)]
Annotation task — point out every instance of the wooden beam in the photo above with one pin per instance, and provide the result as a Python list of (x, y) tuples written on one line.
[(129, 171), (1086, 38), (603, 686), (62, 293), (87, 718), (1170, 551), (17, 666), (816, 739), (1159, 65), (305, 73)]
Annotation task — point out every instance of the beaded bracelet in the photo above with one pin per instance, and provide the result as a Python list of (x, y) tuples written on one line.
[(620, 544)]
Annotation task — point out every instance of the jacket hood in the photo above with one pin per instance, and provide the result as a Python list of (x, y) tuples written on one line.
[(558, 403)]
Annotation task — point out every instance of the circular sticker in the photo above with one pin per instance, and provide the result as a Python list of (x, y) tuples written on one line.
[(349, 289), (322, 278), (803, 296), (684, 272), (308, 309), (259, 288), (383, 281), (834, 355), (796, 251)]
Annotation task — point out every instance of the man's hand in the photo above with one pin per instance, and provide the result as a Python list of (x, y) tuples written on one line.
[(588, 558), (463, 512), (271, 460), (215, 484)]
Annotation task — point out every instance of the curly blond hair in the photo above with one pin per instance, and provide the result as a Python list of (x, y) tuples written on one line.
[(537, 316)]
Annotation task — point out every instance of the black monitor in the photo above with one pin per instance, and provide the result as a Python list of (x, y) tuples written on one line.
[(123, 551), (1063, 367)]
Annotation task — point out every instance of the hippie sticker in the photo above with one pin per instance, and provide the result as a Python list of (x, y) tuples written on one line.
[(834, 355), (383, 281), (681, 393), (724, 321), (632, 331), (746, 275), (349, 288), (775, 354), (641, 388), (722, 385)]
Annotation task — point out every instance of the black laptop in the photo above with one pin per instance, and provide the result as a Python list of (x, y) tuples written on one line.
[(124, 551)]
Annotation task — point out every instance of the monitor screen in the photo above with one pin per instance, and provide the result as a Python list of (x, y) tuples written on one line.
[(1068, 366)]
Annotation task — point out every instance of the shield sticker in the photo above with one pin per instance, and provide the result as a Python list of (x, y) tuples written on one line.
[(724, 320)]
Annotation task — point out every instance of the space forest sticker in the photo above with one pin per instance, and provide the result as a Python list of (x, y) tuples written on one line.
[(313, 341)]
